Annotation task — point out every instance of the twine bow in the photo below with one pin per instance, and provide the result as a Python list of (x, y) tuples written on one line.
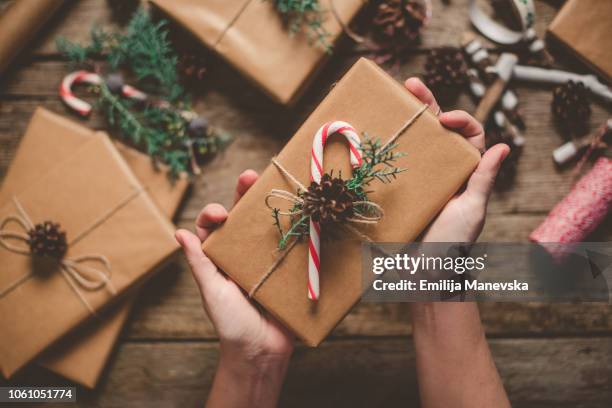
[(75, 270)]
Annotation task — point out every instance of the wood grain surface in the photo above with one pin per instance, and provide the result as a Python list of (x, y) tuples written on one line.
[(557, 355)]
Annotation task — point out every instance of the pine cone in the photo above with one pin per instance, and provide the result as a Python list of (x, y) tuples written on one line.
[(398, 20), (192, 67), (507, 171), (445, 69), (571, 105), (330, 201), (47, 239)]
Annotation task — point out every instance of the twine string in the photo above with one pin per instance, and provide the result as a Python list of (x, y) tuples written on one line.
[(77, 271), (293, 198)]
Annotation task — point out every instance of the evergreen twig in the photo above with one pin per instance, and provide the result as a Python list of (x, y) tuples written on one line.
[(300, 13)]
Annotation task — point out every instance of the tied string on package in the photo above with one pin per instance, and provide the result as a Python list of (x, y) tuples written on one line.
[(580, 212), (48, 241), (331, 201)]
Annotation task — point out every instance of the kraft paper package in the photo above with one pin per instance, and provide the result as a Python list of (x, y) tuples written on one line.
[(584, 27), (20, 20), (82, 355), (105, 212), (437, 162), (252, 36)]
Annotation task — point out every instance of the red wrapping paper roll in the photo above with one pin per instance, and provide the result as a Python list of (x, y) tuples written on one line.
[(582, 210)]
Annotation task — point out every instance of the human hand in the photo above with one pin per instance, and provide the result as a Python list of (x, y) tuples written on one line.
[(463, 217), (247, 335)]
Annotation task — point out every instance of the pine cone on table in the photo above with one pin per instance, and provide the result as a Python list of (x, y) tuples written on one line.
[(47, 239), (445, 71), (571, 105), (398, 21), (330, 201), (507, 171)]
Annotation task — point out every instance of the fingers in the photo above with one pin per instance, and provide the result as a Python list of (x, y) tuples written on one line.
[(418, 89), (465, 124), (209, 218), (481, 182), (245, 181), (204, 271)]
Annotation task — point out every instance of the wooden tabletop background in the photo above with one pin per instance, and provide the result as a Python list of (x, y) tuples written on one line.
[(557, 355)]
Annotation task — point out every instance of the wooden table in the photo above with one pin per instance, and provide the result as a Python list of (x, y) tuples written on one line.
[(549, 355)]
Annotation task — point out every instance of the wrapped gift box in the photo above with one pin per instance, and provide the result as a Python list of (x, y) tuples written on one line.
[(106, 213), (49, 138), (584, 27), (253, 37), (437, 162)]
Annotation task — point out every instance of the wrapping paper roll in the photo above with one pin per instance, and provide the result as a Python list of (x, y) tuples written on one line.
[(582, 210), (19, 23)]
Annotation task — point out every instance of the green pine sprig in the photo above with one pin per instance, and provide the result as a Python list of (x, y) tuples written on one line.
[(145, 51), (300, 13)]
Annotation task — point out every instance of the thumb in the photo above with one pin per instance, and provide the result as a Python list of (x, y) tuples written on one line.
[(203, 269), (481, 182)]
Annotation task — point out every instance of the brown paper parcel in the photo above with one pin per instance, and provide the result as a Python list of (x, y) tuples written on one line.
[(51, 138), (585, 27), (437, 163), (252, 36), (19, 23), (97, 200)]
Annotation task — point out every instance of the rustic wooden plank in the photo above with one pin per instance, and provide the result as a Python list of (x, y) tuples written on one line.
[(355, 373), (445, 28)]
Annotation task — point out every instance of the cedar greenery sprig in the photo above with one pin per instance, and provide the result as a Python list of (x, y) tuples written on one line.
[(162, 130), (144, 50), (377, 165), (300, 13)]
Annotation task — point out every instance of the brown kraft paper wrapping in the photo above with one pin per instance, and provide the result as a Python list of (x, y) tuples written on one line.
[(251, 35), (19, 22), (585, 27), (438, 161), (50, 138), (92, 194)]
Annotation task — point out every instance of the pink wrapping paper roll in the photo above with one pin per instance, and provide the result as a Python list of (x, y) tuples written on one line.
[(582, 210)]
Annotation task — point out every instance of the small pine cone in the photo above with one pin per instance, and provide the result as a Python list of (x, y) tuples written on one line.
[(445, 69), (507, 171), (47, 239), (330, 201), (571, 105), (398, 20), (192, 67)]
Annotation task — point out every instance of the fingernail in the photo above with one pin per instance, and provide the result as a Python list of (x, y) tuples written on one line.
[(178, 237)]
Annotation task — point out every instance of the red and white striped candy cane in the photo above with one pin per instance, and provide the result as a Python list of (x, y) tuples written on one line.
[(79, 105), (316, 172), (91, 78)]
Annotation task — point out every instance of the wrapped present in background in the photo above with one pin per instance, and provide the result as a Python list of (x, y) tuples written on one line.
[(19, 23), (583, 26), (105, 236), (437, 162), (50, 138), (254, 37)]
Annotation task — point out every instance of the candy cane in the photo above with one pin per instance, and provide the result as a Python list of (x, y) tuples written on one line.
[(316, 172), (91, 78), (65, 90)]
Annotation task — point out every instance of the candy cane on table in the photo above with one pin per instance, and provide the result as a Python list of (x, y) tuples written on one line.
[(65, 90), (91, 78), (316, 172)]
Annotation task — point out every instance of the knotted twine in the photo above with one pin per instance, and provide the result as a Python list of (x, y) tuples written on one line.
[(74, 270), (293, 198)]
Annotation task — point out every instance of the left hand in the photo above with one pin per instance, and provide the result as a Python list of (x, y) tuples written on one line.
[(245, 333)]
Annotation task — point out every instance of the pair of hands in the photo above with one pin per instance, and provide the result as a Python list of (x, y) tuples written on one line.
[(256, 339)]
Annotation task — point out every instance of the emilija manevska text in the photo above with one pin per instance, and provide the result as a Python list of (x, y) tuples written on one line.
[(405, 263)]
